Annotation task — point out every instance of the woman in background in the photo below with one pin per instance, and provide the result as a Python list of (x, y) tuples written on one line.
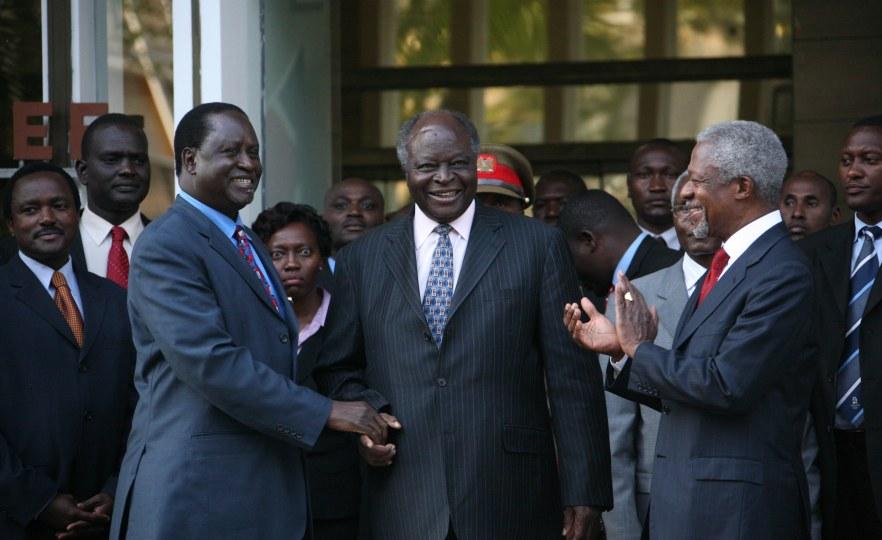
[(299, 242)]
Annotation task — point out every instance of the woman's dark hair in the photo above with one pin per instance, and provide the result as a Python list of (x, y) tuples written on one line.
[(284, 213)]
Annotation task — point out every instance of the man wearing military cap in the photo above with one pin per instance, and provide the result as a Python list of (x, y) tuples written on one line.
[(505, 178)]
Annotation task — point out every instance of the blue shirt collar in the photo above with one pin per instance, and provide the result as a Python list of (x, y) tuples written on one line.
[(220, 220), (626, 259)]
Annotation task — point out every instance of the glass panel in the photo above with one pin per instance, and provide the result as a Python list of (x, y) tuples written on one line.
[(617, 186), (513, 115), (710, 28), (517, 31), (21, 66), (692, 107), (606, 113), (782, 42), (423, 32), (612, 29), (148, 90)]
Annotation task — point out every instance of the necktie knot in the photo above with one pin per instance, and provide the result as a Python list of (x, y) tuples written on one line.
[(58, 280), (871, 233), (443, 229), (118, 234)]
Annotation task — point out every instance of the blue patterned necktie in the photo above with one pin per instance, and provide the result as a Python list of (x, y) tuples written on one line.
[(248, 254), (849, 409), (439, 286)]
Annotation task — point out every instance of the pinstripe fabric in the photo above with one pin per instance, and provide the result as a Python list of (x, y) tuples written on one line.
[(476, 449)]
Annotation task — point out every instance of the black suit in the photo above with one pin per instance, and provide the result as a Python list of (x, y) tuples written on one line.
[(477, 447), (831, 253), (65, 411), (332, 466)]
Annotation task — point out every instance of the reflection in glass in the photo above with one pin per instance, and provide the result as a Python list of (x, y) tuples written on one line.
[(21, 70)]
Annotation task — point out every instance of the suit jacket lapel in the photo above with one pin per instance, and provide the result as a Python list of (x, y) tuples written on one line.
[(835, 261), (672, 297), (483, 247), (729, 281), (94, 307), (32, 294), (401, 261), (639, 255)]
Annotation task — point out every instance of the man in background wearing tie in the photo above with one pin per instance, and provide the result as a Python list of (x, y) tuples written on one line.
[(65, 370), (847, 402), (116, 172), (734, 386), (652, 171)]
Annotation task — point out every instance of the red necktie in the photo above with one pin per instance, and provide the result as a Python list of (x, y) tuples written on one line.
[(720, 260), (118, 259)]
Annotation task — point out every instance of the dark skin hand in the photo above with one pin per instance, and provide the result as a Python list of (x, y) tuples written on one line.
[(597, 334), (359, 417), (636, 322), (582, 523), (375, 454), (63, 513), (99, 505)]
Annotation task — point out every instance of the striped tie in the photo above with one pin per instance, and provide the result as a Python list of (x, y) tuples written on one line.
[(439, 286), (849, 410)]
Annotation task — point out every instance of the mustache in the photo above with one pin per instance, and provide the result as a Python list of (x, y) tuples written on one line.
[(48, 230)]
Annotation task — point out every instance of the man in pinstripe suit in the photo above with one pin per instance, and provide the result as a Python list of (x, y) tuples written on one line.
[(450, 320)]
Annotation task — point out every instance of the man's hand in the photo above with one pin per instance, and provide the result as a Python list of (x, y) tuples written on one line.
[(598, 334), (63, 512), (101, 506), (359, 417), (375, 455), (636, 322), (582, 523)]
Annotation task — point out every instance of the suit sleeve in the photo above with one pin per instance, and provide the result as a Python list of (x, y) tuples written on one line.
[(339, 370), (575, 389), (24, 490), (766, 336), (173, 298)]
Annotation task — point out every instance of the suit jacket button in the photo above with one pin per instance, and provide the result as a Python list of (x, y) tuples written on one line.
[(428, 337), (442, 382), (829, 379), (283, 338), (666, 410), (88, 417), (84, 368), (298, 436)]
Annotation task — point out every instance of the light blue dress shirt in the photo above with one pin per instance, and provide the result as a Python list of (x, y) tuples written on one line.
[(626, 259)]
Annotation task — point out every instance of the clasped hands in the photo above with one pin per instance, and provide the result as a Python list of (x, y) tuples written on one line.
[(636, 322), (72, 519), (372, 427)]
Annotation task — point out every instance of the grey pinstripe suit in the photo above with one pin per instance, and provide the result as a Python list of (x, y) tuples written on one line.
[(478, 445)]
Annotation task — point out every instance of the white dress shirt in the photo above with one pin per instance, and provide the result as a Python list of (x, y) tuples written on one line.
[(859, 241), (44, 275), (425, 239), (669, 236), (692, 272), (95, 234), (318, 320), (744, 237)]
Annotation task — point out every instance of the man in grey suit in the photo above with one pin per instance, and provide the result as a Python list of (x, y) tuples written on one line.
[(633, 427), (734, 386), (216, 444), (450, 319)]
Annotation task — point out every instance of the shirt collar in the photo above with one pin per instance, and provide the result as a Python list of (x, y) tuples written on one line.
[(859, 224), (318, 320), (220, 220), (738, 243), (628, 256), (692, 272), (423, 225), (98, 229), (44, 273)]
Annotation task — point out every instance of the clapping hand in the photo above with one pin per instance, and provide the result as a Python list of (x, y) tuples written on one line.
[(598, 334), (636, 322)]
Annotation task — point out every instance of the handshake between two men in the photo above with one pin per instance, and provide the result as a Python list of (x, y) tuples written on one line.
[(636, 322), (373, 427)]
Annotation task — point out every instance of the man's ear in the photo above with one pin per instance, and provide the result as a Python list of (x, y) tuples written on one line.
[(835, 215), (80, 166), (588, 239), (188, 160), (745, 187)]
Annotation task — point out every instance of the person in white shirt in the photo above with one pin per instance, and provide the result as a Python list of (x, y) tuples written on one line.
[(115, 170), (652, 171)]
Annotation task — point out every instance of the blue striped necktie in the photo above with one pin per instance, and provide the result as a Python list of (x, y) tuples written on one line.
[(849, 408), (439, 286)]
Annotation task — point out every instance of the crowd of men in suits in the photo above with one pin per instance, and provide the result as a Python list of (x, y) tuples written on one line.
[(708, 368)]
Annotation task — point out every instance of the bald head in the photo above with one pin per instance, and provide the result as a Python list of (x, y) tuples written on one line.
[(352, 206), (808, 203)]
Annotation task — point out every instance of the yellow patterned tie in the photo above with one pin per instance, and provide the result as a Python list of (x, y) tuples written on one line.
[(65, 302)]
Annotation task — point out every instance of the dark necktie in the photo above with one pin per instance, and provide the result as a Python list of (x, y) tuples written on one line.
[(439, 286), (719, 262), (65, 302), (849, 409), (118, 259), (248, 254)]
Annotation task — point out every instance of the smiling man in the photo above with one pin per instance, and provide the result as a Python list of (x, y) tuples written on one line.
[(448, 318), (218, 433), (116, 172)]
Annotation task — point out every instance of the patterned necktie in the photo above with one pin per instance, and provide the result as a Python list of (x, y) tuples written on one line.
[(849, 410), (439, 286), (65, 302), (118, 259), (245, 249), (720, 260)]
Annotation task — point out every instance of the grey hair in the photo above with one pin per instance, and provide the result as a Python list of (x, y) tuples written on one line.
[(743, 148), (678, 185), (404, 134)]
